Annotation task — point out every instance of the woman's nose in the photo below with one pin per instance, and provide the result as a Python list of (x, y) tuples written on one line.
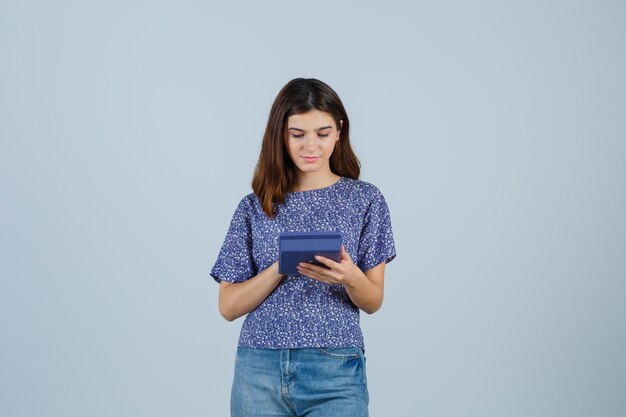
[(310, 142)]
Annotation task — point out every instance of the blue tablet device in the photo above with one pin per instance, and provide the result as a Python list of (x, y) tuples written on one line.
[(296, 247)]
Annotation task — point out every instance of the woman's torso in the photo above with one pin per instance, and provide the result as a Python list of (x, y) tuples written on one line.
[(302, 312)]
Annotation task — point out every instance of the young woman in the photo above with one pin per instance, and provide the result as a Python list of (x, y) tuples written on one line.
[(301, 350)]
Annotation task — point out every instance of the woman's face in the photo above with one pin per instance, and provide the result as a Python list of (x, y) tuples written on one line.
[(310, 140)]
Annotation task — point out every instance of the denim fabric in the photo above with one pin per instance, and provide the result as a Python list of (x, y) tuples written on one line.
[(312, 382)]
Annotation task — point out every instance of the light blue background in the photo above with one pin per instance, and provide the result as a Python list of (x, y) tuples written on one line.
[(496, 131)]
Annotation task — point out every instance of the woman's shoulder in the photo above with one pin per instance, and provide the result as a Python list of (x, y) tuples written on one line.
[(249, 203), (362, 188)]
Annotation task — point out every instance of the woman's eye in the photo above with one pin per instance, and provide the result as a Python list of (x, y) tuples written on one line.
[(302, 135)]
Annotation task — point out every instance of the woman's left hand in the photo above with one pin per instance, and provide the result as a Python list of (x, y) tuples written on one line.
[(344, 272)]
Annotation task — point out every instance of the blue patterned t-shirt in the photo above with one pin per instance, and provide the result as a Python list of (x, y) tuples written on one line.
[(302, 312)]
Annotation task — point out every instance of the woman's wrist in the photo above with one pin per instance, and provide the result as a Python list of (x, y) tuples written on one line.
[(273, 269), (355, 278)]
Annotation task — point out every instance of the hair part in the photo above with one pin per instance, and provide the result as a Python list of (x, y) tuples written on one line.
[(275, 172)]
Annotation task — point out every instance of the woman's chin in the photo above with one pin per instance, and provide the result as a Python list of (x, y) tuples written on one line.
[(309, 168)]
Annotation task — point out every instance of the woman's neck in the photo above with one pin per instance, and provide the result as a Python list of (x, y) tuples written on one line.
[(313, 181)]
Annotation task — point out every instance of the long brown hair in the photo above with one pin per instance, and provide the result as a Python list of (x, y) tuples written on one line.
[(275, 172)]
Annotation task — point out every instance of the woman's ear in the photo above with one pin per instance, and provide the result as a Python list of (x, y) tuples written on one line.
[(340, 126)]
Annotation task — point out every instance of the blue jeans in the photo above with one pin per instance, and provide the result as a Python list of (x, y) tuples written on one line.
[(312, 382)]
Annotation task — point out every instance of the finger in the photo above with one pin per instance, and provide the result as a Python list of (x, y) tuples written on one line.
[(344, 254), (311, 268), (325, 261), (318, 272)]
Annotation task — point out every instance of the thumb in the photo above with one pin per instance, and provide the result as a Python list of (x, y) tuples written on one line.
[(344, 254)]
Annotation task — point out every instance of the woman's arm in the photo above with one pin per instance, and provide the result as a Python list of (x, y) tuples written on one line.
[(238, 299), (365, 289)]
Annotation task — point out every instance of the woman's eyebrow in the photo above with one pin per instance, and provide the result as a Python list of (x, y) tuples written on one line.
[(302, 130)]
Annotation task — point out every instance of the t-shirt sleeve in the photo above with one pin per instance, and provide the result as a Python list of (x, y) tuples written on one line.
[(376, 244), (234, 262)]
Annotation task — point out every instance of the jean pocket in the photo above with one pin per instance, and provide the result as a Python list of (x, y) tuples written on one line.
[(341, 353)]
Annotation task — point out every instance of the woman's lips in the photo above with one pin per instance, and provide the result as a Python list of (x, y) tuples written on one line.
[(310, 158)]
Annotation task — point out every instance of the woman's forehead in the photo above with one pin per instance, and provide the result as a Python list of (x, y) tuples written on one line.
[(313, 119)]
